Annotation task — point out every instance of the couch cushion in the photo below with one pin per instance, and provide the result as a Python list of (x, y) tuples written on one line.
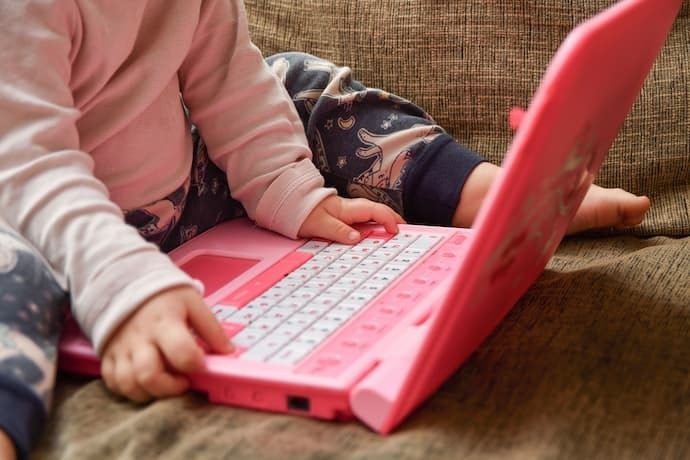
[(467, 63)]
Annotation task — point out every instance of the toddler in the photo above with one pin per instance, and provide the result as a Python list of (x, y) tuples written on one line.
[(129, 127)]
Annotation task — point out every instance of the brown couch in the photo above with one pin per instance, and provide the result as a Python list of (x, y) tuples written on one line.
[(593, 362)]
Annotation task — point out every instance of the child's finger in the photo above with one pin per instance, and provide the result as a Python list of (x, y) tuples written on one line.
[(152, 375), (334, 229), (122, 381), (207, 327), (361, 210), (108, 373), (179, 347)]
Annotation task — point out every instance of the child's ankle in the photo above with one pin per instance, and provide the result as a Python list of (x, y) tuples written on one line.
[(473, 193)]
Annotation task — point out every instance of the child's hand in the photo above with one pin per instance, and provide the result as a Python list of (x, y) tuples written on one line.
[(332, 217), (145, 357)]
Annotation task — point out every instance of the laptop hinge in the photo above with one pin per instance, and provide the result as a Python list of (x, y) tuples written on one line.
[(375, 399)]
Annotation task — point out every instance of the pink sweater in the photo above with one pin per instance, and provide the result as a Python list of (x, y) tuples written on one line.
[(91, 122)]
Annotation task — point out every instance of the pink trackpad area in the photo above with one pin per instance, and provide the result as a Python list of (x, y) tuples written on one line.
[(215, 271)]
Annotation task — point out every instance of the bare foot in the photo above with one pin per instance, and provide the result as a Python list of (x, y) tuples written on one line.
[(6, 447), (609, 208), (601, 207)]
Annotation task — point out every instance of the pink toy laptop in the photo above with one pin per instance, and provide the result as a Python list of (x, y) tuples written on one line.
[(370, 331)]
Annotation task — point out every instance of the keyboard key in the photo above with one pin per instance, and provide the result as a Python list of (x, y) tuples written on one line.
[(248, 337), (222, 312), (314, 246), (291, 353), (231, 329)]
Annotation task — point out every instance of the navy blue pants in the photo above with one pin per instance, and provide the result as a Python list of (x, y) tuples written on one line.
[(366, 143)]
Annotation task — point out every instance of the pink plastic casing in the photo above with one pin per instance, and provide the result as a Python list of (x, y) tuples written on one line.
[(574, 117)]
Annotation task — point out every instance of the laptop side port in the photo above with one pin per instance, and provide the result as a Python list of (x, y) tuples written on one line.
[(298, 403)]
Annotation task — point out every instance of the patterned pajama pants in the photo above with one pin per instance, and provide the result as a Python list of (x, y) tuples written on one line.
[(366, 142)]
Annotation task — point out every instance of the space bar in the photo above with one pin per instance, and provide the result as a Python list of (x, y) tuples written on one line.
[(258, 285)]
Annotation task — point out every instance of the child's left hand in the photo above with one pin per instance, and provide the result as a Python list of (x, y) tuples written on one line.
[(148, 355), (331, 219)]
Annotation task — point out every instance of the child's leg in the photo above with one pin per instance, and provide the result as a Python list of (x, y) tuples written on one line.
[(370, 143), (31, 312), (600, 208), (7, 450)]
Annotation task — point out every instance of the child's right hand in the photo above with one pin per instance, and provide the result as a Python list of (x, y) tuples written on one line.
[(332, 218), (147, 355)]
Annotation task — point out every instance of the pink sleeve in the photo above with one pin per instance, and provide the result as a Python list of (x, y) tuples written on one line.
[(248, 121), (48, 192)]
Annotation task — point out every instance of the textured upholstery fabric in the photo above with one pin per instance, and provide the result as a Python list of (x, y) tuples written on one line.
[(592, 363)]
